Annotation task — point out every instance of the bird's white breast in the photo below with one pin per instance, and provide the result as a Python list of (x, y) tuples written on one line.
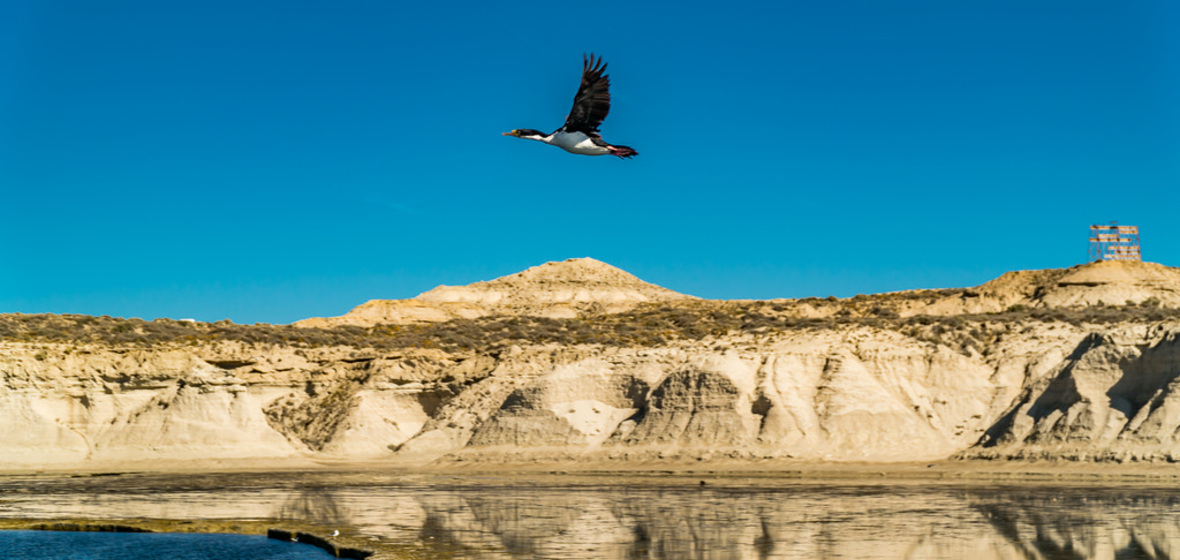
[(576, 143)]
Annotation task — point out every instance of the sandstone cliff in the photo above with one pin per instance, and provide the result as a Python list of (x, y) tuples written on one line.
[(636, 373), (1117, 397)]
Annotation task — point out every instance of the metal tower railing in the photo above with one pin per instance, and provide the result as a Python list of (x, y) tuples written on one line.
[(1114, 243)]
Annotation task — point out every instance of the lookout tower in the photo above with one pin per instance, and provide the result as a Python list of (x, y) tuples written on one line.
[(1114, 243)]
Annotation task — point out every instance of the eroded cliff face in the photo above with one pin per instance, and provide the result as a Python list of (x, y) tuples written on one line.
[(65, 405), (853, 393), (1115, 397), (871, 378), (844, 394)]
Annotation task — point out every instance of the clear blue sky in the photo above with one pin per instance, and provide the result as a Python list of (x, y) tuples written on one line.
[(270, 161)]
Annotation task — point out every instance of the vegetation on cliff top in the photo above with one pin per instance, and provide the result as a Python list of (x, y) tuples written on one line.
[(649, 325)]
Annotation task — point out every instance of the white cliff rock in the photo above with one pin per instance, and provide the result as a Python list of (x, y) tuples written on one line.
[(871, 386)]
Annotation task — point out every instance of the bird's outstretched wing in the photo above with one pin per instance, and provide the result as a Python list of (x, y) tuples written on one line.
[(592, 102)]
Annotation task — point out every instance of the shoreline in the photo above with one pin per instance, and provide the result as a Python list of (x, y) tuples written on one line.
[(647, 472)]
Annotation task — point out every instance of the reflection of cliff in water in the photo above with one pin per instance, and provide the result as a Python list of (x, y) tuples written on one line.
[(1069, 525), (317, 505), (506, 520), (807, 523)]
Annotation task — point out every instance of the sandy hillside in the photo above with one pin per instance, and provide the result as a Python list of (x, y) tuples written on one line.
[(1097, 283), (580, 287), (555, 289)]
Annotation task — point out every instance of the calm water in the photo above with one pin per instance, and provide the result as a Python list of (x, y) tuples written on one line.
[(502, 518), (41, 545)]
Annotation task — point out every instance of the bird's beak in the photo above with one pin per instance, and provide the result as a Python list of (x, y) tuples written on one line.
[(509, 133)]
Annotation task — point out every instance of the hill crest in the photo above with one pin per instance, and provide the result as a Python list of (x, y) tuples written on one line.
[(560, 289), (575, 287)]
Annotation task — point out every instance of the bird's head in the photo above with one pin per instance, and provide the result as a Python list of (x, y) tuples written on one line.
[(527, 133)]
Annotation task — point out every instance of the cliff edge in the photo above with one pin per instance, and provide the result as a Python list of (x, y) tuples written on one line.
[(579, 360)]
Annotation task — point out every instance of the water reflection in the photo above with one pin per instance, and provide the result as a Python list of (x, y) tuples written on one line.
[(318, 504), (503, 518)]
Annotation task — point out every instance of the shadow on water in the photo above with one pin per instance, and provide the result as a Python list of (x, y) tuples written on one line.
[(501, 519)]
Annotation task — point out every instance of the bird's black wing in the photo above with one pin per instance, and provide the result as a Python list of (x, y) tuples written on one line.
[(592, 102)]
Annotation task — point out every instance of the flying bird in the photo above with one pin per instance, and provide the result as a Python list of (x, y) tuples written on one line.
[(579, 134)]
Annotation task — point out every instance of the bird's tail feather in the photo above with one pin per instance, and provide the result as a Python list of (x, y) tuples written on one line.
[(623, 151)]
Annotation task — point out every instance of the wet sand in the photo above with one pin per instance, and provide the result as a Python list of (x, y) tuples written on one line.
[(812, 471)]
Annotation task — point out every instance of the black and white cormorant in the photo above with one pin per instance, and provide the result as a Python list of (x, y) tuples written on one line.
[(579, 134)]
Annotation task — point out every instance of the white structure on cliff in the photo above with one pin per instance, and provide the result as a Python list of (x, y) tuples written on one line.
[(1114, 243)]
